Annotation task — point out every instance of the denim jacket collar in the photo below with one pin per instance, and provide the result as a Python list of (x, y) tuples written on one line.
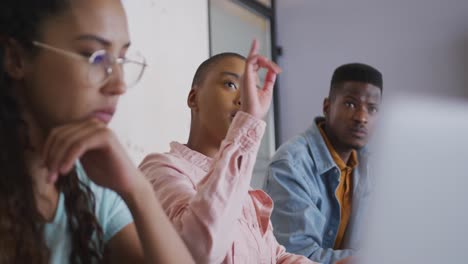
[(317, 146)]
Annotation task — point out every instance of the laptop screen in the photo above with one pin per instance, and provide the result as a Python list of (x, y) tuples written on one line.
[(420, 205)]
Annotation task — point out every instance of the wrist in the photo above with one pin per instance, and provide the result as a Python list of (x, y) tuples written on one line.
[(137, 194)]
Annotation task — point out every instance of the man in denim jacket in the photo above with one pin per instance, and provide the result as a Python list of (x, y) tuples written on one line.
[(319, 180)]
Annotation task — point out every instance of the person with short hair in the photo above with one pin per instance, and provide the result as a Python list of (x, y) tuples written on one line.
[(204, 185), (319, 180)]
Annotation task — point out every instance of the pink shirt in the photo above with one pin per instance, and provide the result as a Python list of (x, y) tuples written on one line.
[(210, 202)]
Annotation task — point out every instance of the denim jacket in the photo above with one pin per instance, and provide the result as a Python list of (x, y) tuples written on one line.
[(302, 179)]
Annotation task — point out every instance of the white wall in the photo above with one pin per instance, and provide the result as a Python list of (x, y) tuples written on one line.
[(173, 36), (420, 46)]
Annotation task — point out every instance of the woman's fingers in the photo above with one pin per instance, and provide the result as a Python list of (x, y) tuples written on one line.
[(253, 48), (66, 144), (256, 101), (269, 82), (56, 138), (96, 138), (265, 63)]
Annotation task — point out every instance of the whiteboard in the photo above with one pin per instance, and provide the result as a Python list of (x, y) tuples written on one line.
[(173, 37)]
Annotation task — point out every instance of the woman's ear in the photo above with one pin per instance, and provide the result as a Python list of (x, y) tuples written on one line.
[(192, 99), (14, 59)]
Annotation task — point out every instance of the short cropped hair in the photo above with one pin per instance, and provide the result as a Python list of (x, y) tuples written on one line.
[(358, 72), (207, 65)]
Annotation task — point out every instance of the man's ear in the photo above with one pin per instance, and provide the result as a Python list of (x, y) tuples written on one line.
[(192, 99), (14, 59), (326, 106)]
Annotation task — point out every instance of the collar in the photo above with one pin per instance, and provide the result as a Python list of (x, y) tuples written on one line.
[(195, 158)]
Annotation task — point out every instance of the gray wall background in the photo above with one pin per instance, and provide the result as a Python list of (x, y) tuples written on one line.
[(421, 46)]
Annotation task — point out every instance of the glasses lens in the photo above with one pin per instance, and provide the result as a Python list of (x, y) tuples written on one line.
[(99, 64), (133, 68), (102, 66)]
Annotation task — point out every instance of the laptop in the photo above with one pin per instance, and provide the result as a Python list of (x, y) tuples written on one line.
[(419, 212)]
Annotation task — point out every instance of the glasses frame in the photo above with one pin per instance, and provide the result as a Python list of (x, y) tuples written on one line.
[(108, 67)]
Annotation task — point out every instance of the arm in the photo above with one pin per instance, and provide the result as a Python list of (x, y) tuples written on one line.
[(124, 247), (133, 243), (159, 240), (106, 164), (283, 257), (299, 224), (204, 215)]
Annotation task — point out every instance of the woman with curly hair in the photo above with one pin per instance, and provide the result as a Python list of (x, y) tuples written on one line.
[(68, 191)]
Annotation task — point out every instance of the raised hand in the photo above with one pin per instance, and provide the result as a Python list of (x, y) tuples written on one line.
[(257, 101)]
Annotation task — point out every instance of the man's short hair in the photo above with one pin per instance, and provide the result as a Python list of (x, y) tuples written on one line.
[(206, 66), (357, 72)]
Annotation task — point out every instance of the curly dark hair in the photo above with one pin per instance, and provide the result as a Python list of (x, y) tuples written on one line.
[(21, 224)]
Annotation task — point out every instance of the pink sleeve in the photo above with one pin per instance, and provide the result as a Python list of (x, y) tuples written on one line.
[(283, 257), (204, 216)]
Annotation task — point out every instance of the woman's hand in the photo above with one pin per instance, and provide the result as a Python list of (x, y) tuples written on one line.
[(256, 100), (97, 147), (107, 164)]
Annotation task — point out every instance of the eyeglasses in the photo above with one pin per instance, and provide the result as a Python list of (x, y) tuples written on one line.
[(101, 65)]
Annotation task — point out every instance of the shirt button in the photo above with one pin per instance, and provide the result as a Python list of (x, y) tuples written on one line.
[(251, 133), (330, 233)]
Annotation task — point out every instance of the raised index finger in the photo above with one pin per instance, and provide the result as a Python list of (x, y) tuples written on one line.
[(254, 48)]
